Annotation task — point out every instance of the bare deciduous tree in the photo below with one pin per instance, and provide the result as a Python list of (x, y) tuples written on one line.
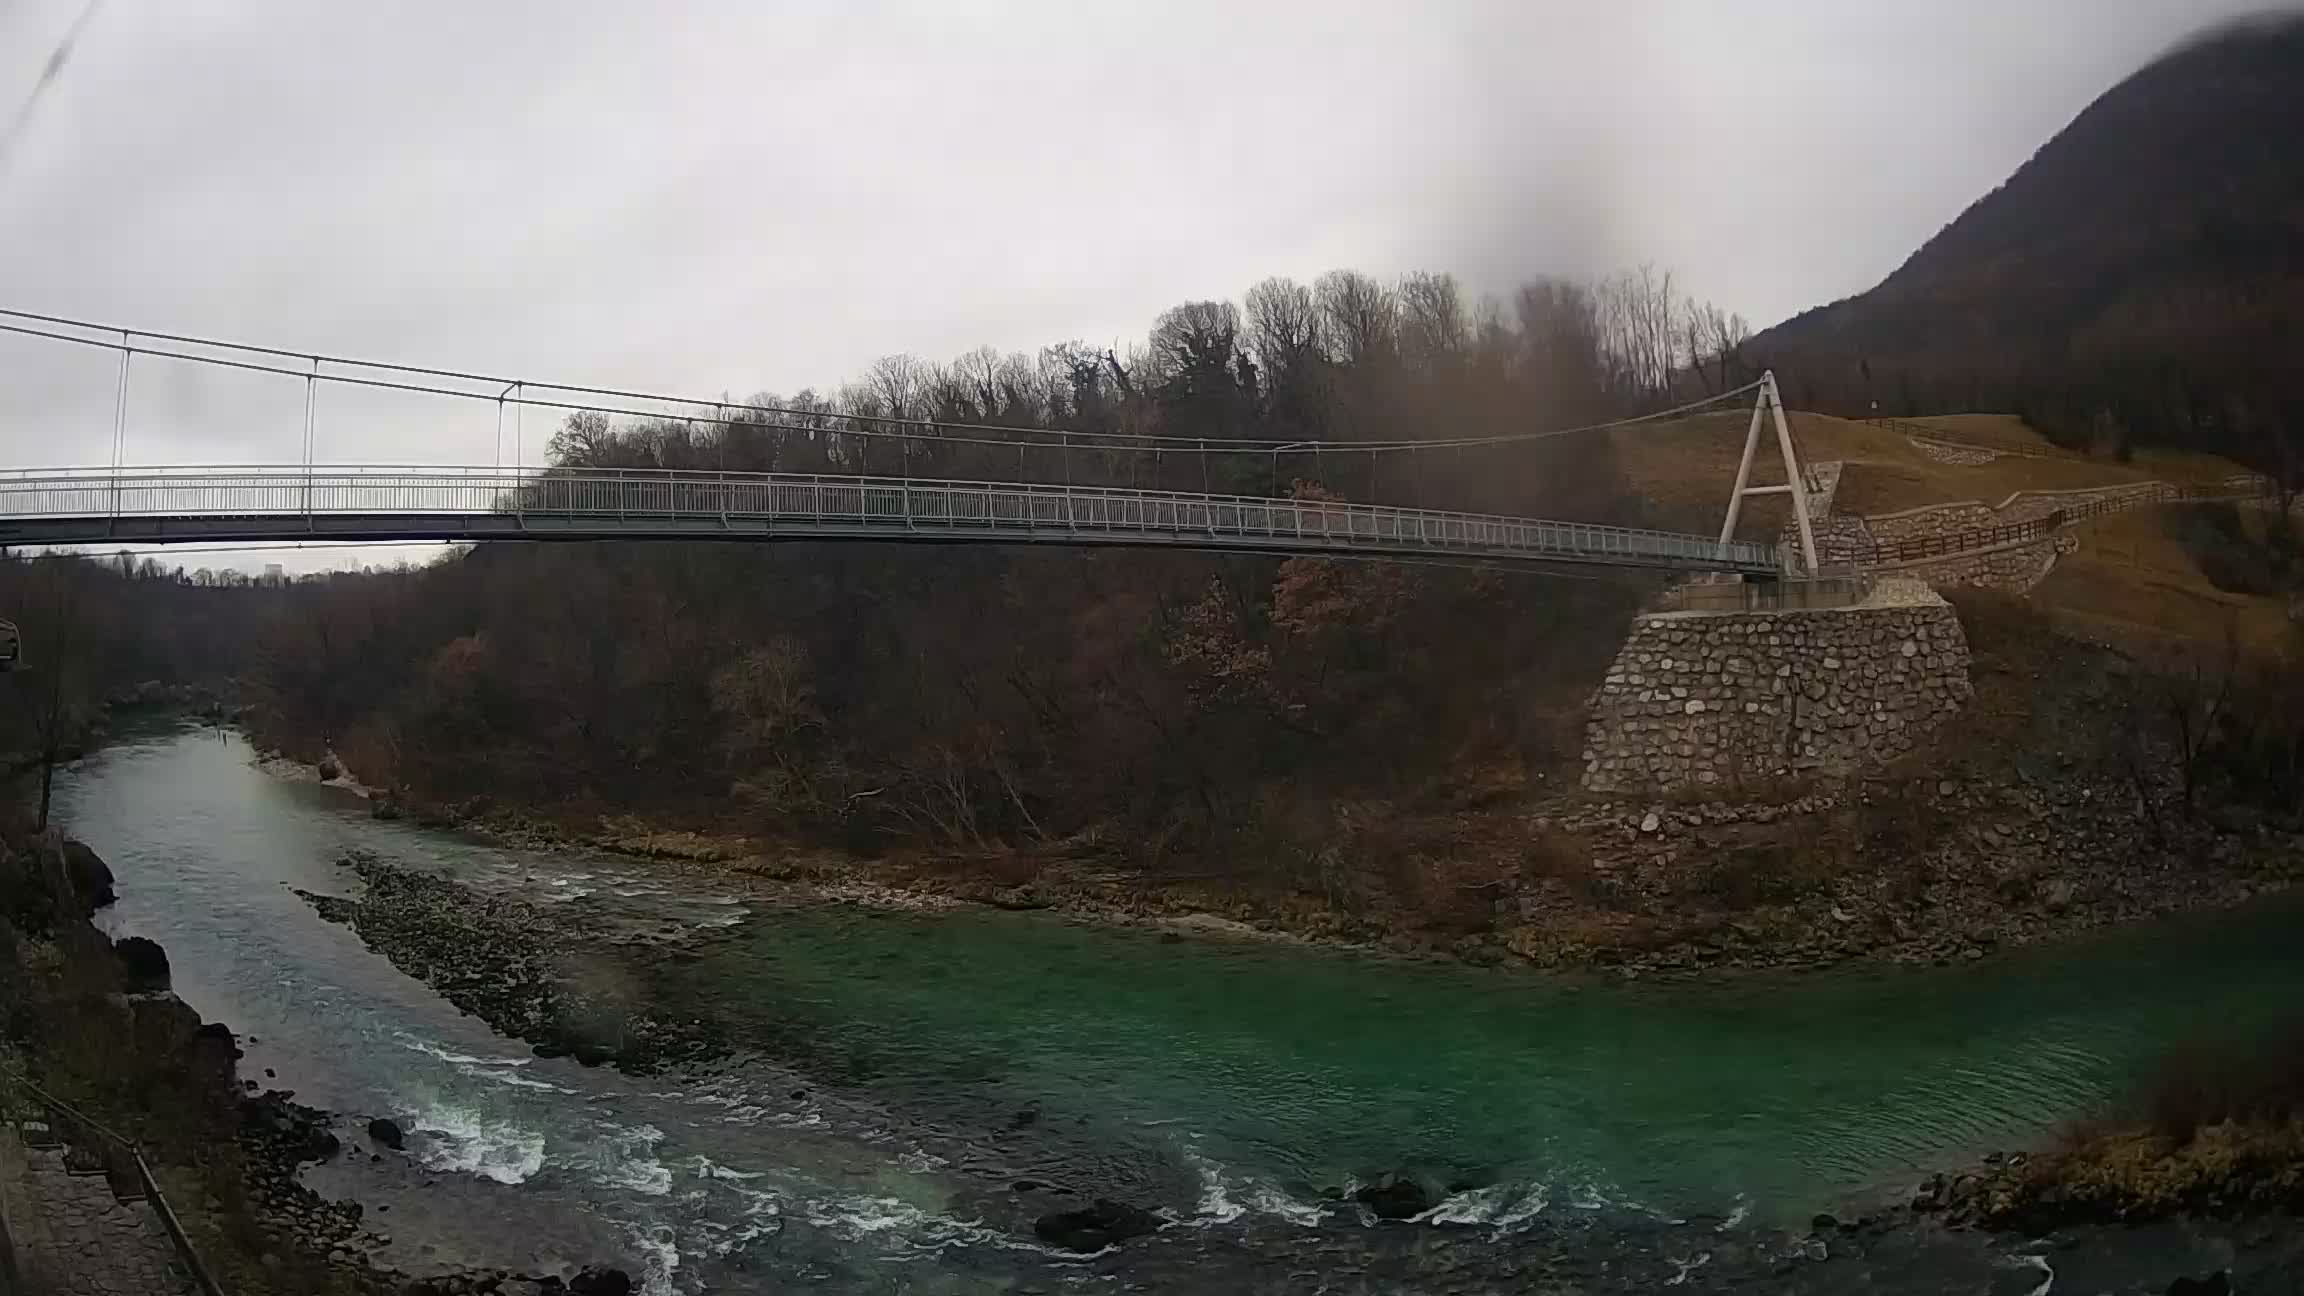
[(1359, 318), (1639, 328), (1283, 323), (1435, 331)]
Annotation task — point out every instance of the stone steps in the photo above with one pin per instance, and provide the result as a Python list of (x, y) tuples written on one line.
[(73, 1236)]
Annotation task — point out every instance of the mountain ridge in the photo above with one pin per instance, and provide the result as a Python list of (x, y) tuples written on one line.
[(2140, 279)]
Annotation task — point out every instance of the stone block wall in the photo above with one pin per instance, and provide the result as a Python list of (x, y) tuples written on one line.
[(1955, 453), (1934, 520), (2012, 568), (1842, 540), (1699, 700)]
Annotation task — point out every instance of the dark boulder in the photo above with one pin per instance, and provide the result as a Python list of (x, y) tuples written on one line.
[(385, 1133), (329, 769), (1099, 1226), (91, 878), (143, 964), (384, 807), (2215, 1284), (319, 1145), (1394, 1197), (600, 1281)]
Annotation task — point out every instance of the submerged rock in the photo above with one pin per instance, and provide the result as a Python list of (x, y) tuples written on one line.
[(1095, 1228), (600, 1282), (1394, 1197)]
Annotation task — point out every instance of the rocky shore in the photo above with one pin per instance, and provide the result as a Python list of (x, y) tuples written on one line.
[(2130, 1174), (530, 973), (1951, 854), (279, 1136), (1922, 869), (87, 997)]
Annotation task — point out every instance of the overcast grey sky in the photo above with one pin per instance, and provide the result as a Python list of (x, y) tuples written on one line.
[(736, 196)]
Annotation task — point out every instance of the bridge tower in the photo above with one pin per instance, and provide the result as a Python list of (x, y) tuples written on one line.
[(1795, 485)]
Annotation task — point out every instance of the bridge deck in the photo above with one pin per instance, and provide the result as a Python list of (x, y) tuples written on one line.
[(147, 506)]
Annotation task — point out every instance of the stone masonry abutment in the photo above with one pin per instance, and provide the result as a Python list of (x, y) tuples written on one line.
[(1699, 700)]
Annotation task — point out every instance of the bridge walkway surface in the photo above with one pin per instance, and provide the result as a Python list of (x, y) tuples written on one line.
[(227, 505)]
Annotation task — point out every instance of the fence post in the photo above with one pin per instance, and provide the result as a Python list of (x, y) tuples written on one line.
[(1070, 522)]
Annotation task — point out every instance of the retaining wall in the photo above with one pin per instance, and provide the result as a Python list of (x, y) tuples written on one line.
[(1712, 699)]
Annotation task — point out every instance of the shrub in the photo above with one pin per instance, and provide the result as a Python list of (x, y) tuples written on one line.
[(2206, 1084)]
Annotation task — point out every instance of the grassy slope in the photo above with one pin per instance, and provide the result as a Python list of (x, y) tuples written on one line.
[(2129, 582)]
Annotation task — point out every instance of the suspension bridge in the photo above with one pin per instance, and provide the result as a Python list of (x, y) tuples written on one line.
[(123, 504)]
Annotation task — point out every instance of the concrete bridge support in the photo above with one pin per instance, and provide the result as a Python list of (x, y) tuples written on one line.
[(1699, 700)]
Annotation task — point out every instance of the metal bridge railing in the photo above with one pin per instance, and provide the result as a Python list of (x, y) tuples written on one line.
[(609, 500)]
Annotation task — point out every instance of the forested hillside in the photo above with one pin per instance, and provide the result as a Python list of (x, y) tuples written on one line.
[(1157, 703), (2140, 280), (94, 630)]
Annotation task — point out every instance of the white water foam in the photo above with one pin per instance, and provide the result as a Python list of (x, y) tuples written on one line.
[(1594, 1196), (763, 1216), (626, 1158), (1683, 1268), (505, 1076), (461, 1141), (893, 1220), (742, 1110), (1216, 1204), (1736, 1217), (704, 1167), (459, 1059), (1503, 1207), (1268, 1200), (659, 1260), (908, 1230), (1219, 1206)]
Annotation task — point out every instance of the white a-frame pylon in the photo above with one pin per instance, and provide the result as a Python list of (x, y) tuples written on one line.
[(1795, 485)]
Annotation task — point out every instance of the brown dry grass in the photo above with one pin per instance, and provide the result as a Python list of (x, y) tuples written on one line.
[(2215, 1126), (1684, 468), (2130, 582), (2018, 437), (2133, 584)]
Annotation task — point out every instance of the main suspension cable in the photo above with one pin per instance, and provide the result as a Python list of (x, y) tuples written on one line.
[(768, 416)]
